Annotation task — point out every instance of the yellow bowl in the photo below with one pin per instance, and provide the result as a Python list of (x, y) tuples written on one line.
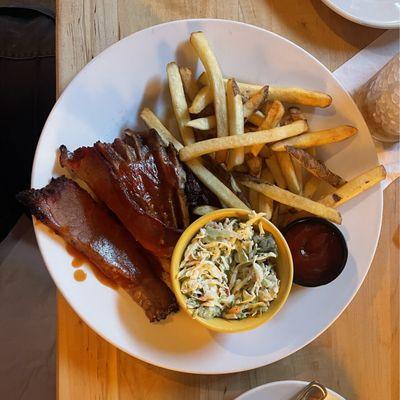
[(284, 271)]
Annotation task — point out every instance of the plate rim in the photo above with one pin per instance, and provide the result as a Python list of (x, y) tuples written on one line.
[(353, 18), (280, 382), (38, 232)]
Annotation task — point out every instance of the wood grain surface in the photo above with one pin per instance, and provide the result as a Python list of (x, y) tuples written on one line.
[(358, 356)]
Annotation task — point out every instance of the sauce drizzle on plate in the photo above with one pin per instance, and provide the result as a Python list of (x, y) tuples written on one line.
[(80, 275), (78, 259)]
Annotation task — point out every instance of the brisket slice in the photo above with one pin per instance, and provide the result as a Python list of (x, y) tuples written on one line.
[(72, 213)]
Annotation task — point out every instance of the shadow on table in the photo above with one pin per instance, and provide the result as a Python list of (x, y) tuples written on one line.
[(315, 362), (355, 34), (299, 16)]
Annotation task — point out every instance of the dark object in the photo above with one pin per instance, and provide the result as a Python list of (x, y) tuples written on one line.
[(27, 94), (197, 194), (319, 250), (87, 226)]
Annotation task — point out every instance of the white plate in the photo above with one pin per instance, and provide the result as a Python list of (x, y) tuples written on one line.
[(107, 95), (281, 390), (383, 14)]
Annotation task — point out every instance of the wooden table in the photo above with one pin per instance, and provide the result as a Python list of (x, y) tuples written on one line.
[(359, 355)]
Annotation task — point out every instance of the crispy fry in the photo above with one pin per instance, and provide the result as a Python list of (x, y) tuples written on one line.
[(275, 169), (293, 200), (255, 165), (319, 138), (293, 95), (257, 118), (203, 98), (209, 180), (203, 79), (272, 118), (265, 152), (255, 102), (203, 210), (233, 142), (298, 169), (153, 122), (203, 124), (236, 122), (190, 84), (312, 151), (179, 103), (315, 167), (311, 187), (296, 114), (355, 187), (285, 162), (207, 57), (265, 204)]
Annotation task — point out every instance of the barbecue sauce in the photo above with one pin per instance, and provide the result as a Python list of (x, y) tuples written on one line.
[(78, 259), (79, 275), (318, 249)]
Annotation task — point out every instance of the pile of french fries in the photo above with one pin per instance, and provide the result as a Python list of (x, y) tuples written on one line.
[(256, 133)]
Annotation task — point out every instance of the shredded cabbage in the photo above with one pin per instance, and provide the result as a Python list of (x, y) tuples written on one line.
[(228, 269)]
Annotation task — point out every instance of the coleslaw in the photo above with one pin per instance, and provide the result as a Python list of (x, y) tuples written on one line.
[(228, 269)]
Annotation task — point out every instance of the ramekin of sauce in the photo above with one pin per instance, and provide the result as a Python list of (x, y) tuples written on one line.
[(319, 251)]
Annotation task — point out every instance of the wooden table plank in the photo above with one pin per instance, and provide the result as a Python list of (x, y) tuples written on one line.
[(358, 355)]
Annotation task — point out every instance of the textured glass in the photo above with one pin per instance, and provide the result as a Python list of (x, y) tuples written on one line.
[(381, 102)]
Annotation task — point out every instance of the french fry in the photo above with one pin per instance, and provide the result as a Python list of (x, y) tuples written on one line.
[(311, 187), (236, 122), (255, 102), (225, 195), (355, 187), (276, 172), (300, 96), (203, 124), (293, 95), (207, 57), (179, 103), (315, 167), (203, 210), (190, 84), (257, 118), (285, 162), (296, 114), (293, 200), (312, 151), (153, 122), (254, 164), (298, 169), (232, 142), (264, 152), (203, 79), (319, 138), (272, 118), (265, 204), (203, 98)]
